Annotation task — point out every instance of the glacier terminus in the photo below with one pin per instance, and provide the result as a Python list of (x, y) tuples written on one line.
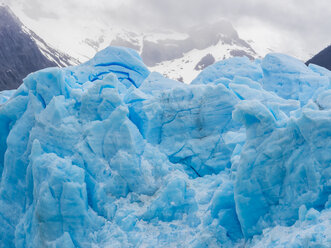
[(109, 154)]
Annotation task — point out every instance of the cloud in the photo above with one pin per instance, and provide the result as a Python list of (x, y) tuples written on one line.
[(296, 15), (301, 19), (174, 13)]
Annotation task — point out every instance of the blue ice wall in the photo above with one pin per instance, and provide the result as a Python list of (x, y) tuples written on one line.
[(107, 154)]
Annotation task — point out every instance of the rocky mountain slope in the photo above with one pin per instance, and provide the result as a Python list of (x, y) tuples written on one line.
[(323, 58), (23, 52), (179, 56)]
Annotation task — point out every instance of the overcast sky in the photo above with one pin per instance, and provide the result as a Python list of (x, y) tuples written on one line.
[(292, 23)]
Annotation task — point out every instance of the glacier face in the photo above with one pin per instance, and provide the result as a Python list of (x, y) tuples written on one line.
[(108, 154)]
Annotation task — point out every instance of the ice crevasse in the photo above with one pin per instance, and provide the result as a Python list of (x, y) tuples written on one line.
[(109, 154)]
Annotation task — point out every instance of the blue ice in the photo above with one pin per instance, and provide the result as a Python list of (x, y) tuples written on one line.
[(109, 154)]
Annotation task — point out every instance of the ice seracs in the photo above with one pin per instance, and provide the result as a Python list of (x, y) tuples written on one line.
[(108, 154)]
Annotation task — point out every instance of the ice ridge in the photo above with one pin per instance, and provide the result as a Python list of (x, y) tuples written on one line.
[(109, 154)]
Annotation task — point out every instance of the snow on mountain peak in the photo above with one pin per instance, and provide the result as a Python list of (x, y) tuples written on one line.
[(23, 52), (162, 51)]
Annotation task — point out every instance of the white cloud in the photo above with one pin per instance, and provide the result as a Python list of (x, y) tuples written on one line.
[(296, 24)]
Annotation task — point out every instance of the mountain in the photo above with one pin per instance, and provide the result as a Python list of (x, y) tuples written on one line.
[(177, 55), (23, 52), (183, 59), (323, 58), (180, 56)]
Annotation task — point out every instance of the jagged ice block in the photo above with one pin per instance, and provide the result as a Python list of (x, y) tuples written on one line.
[(108, 154)]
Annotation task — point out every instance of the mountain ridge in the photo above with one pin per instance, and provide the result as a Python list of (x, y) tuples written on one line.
[(22, 51), (163, 51), (323, 58)]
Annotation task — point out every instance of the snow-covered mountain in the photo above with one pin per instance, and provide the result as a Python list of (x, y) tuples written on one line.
[(179, 56), (202, 47), (190, 64), (23, 52), (59, 58)]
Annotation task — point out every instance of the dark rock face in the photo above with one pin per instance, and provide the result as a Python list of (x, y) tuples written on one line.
[(323, 58), (241, 53), (126, 43), (204, 62), (19, 52)]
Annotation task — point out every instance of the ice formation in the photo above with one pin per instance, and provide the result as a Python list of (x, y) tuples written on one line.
[(5, 95), (107, 154)]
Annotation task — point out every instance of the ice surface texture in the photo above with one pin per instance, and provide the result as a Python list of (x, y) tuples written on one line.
[(107, 154)]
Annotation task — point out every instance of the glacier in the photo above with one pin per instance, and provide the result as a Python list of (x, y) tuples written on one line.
[(109, 154)]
